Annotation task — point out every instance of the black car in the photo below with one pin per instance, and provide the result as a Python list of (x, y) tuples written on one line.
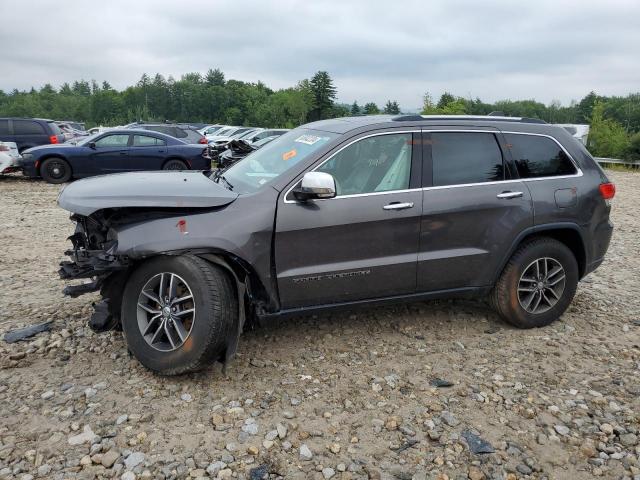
[(336, 213), (122, 150), (30, 132), (183, 132)]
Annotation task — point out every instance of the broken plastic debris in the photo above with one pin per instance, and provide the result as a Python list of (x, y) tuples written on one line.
[(26, 332), (476, 444), (438, 382)]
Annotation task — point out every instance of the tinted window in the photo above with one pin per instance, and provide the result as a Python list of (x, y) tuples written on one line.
[(54, 128), (537, 156), (376, 164), (4, 127), (145, 141), (113, 141), (27, 127), (464, 157)]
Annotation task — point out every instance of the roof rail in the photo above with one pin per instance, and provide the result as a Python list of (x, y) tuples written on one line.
[(490, 118)]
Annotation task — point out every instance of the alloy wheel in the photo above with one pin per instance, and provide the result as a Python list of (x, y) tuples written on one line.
[(166, 311), (541, 285)]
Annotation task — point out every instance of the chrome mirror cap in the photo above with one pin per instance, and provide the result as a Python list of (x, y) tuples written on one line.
[(315, 185)]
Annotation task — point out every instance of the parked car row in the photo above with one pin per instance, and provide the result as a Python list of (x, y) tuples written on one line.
[(113, 151), (59, 151)]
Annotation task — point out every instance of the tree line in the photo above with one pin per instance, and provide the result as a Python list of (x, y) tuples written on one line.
[(211, 98)]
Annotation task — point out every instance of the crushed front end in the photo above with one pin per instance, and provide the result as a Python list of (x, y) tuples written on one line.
[(93, 257)]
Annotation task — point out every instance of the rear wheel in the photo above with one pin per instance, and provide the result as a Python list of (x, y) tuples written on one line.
[(177, 313), (175, 165), (55, 170), (537, 285)]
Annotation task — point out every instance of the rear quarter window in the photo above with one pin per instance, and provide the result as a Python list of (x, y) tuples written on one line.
[(537, 156), (27, 127), (4, 127), (54, 128)]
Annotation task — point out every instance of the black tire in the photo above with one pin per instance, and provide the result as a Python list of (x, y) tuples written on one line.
[(505, 295), (55, 170), (216, 311), (175, 164)]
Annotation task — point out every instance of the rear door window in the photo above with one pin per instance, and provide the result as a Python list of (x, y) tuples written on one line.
[(538, 156), (27, 127), (465, 157), (146, 141)]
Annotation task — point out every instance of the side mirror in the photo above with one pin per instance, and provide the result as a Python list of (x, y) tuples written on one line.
[(92, 145), (315, 185)]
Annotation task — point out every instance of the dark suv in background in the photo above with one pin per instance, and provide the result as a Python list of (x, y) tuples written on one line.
[(30, 132), (186, 133), (341, 212)]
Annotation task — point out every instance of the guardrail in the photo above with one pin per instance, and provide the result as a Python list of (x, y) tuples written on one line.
[(616, 161)]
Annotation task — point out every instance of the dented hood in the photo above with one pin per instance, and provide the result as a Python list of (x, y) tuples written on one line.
[(144, 189)]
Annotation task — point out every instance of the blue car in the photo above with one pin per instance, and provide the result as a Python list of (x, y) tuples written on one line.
[(122, 150)]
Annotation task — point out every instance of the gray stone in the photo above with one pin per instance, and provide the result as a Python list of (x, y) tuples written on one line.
[(305, 452), (133, 460)]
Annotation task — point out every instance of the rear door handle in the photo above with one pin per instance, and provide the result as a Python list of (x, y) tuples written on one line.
[(509, 195), (398, 206)]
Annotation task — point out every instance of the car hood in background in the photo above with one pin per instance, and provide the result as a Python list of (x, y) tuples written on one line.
[(164, 189)]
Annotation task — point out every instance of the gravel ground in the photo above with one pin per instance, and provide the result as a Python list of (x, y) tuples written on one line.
[(342, 395)]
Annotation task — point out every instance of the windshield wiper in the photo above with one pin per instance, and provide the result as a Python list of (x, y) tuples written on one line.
[(217, 176)]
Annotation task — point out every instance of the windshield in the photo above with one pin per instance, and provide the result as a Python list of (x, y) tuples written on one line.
[(224, 131), (275, 158)]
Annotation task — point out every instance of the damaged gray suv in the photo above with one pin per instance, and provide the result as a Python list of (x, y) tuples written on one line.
[(341, 212)]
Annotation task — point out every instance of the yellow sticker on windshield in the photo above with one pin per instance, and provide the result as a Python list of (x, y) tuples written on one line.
[(289, 154)]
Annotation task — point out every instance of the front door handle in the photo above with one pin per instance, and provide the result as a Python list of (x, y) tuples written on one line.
[(398, 206), (509, 195)]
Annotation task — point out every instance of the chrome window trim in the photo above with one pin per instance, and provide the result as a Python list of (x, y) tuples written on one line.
[(457, 185), (355, 195)]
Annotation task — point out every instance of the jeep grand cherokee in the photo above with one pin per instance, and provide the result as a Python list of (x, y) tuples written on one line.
[(340, 212)]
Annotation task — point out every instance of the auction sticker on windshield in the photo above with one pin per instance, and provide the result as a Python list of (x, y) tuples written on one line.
[(307, 139)]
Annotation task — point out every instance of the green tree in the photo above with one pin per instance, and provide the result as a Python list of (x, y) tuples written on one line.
[(324, 94), (607, 138), (370, 109), (355, 109), (214, 77), (392, 108)]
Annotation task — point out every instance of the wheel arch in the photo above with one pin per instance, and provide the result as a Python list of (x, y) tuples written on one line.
[(567, 233), (46, 157), (176, 157)]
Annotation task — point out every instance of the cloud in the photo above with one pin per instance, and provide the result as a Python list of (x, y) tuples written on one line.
[(374, 50)]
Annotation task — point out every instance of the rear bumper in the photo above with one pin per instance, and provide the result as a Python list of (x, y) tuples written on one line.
[(601, 240)]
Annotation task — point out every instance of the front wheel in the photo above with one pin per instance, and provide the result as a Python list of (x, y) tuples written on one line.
[(55, 170), (175, 165), (177, 313), (537, 285)]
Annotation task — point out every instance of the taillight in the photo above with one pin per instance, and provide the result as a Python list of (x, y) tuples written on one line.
[(607, 190), (53, 139), (203, 140)]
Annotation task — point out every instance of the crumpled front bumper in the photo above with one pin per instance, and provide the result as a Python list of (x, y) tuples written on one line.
[(87, 263)]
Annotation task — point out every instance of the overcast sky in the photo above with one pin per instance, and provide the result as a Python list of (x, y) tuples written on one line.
[(374, 50)]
